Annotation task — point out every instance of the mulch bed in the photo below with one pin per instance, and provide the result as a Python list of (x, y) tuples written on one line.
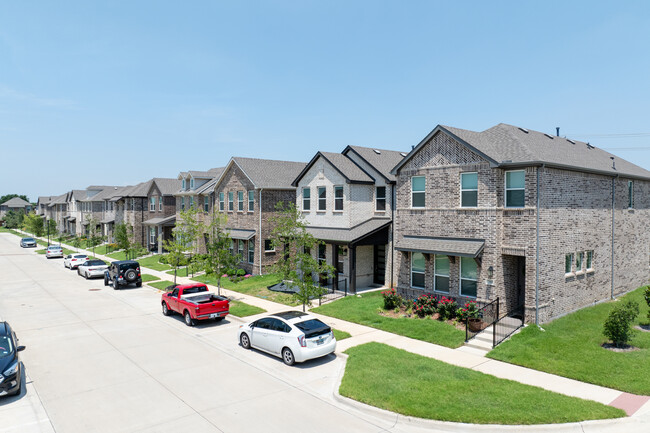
[(624, 348), (644, 328), (401, 312)]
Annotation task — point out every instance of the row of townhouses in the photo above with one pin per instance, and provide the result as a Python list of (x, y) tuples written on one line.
[(545, 223)]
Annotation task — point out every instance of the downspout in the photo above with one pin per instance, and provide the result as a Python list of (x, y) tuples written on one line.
[(613, 209), (260, 232), (392, 234), (537, 253)]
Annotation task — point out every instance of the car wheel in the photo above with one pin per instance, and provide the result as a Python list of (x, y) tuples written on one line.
[(188, 319), (85, 275), (166, 310), (138, 284), (105, 281), (287, 356), (115, 285), (245, 341)]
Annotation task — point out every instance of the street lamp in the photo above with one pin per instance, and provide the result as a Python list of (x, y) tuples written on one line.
[(48, 231)]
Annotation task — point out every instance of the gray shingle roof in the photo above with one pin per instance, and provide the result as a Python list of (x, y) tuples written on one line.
[(269, 173), (16, 202), (508, 145), (383, 162), (446, 246), (344, 165), (167, 186), (347, 234)]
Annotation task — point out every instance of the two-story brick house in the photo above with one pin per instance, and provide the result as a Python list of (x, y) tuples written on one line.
[(347, 201), (545, 223), (248, 191), (161, 212), (15, 204)]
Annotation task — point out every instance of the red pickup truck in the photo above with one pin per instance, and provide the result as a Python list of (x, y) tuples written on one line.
[(195, 302)]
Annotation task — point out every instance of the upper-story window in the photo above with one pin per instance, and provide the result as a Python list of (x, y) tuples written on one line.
[(322, 198), (182, 203), (132, 204), (418, 266), (152, 204), (251, 201), (468, 277), (469, 189), (306, 199), (160, 203), (630, 194), (206, 203), (515, 188), (240, 201), (192, 183), (222, 201), (231, 201), (184, 184), (380, 199), (338, 198), (417, 191)]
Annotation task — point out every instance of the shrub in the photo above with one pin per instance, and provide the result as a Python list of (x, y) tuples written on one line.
[(469, 311), (425, 305), (235, 275), (447, 308), (646, 295), (618, 326), (391, 299)]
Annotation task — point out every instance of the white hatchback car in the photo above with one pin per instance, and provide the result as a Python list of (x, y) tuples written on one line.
[(73, 260), (53, 251), (292, 335), (92, 268)]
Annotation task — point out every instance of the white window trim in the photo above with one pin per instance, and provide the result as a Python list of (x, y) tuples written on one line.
[(580, 254), (436, 274), (460, 280), (251, 250), (418, 272), (192, 183), (152, 204), (271, 250), (241, 248), (589, 268), (222, 201), (251, 201), (231, 201), (468, 190), (206, 203), (184, 185), (342, 199), (303, 199), (240, 201), (160, 203), (377, 198), (318, 209), (573, 257), (505, 190), (419, 192)]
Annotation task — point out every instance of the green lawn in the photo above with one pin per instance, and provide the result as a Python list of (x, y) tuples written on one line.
[(103, 249), (180, 272), (152, 262), (340, 335), (414, 385), (241, 309), (146, 278), (254, 286), (161, 285), (120, 255), (40, 251), (364, 310), (571, 346)]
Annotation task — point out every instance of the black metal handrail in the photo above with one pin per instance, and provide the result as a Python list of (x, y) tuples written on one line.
[(488, 314), (507, 324)]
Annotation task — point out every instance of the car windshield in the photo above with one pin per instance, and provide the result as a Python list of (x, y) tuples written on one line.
[(313, 327), (29, 239), (192, 290), (94, 263), (125, 266), (5, 346), (81, 256), (54, 248)]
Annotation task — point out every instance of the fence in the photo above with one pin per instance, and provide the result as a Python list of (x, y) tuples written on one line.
[(488, 314), (332, 292), (507, 324)]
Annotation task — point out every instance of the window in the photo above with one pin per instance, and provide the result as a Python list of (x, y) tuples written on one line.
[(380, 199), (515, 187), (340, 266), (184, 184), (160, 203), (251, 251), (630, 194), (568, 263), (251, 201), (152, 204), (441, 274), (268, 245), (468, 277), (232, 247), (132, 204), (579, 260), (322, 254), (322, 198), (222, 200), (417, 270), (191, 202), (182, 203), (417, 191), (306, 199), (590, 258), (152, 235), (468, 189), (231, 201), (206, 203), (240, 201), (241, 249), (338, 198), (192, 183)]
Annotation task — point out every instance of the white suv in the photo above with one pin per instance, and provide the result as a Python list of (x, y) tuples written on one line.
[(294, 336)]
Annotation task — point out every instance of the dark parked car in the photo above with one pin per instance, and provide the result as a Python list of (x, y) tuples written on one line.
[(123, 273), (10, 368), (27, 242)]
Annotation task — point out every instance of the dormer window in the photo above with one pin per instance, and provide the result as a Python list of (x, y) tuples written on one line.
[(192, 183), (184, 184)]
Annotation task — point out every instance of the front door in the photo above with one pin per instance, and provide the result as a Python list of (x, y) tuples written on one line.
[(380, 264), (521, 281)]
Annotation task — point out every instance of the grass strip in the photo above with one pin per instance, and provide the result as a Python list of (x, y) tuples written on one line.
[(414, 385), (340, 335), (242, 309), (160, 285), (152, 262), (148, 277), (254, 286), (364, 310)]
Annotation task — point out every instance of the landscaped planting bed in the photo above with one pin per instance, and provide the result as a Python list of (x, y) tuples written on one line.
[(413, 385), (571, 346), (254, 286)]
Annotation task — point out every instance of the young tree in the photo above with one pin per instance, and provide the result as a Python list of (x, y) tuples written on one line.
[(297, 266), (124, 238), (184, 239), (94, 237), (218, 260), (50, 228), (33, 224), (175, 251), (13, 219)]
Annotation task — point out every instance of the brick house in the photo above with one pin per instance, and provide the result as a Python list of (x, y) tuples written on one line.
[(547, 224), (15, 204), (161, 212), (347, 200), (247, 192), (131, 208)]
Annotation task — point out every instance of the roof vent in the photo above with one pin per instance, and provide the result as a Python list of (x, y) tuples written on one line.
[(402, 153), (589, 146), (524, 129), (377, 151), (549, 136), (571, 141), (613, 162)]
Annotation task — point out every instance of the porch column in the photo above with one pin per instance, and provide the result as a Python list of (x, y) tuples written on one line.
[(160, 238), (353, 268), (335, 262)]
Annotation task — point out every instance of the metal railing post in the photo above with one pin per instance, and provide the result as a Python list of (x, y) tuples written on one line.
[(494, 327), (466, 329)]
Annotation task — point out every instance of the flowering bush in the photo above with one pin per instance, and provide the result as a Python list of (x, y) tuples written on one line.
[(469, 311), (391, 299), (425, 305), (447, 308)]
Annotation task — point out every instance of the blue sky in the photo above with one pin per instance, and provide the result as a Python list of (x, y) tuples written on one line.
[(118, 92)]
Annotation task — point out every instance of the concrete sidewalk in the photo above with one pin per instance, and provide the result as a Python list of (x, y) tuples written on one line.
[(633, 405)]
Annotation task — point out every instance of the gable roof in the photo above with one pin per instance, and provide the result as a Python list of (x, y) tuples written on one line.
[(167, 186), (266, 173), (381, 160), (506, 146), (341, 163), (16, 202)]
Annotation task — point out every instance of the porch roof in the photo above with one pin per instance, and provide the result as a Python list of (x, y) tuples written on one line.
[(108, 220), (441, 245), (349, 234), (162, 221), (241, 234)]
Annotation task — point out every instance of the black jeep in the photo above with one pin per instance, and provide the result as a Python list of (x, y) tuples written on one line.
[(123, 273)]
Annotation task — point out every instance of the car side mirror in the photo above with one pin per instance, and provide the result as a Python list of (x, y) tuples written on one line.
[(20, 348)]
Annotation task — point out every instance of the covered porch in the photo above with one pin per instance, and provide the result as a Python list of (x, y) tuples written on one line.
[(159, 230)]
